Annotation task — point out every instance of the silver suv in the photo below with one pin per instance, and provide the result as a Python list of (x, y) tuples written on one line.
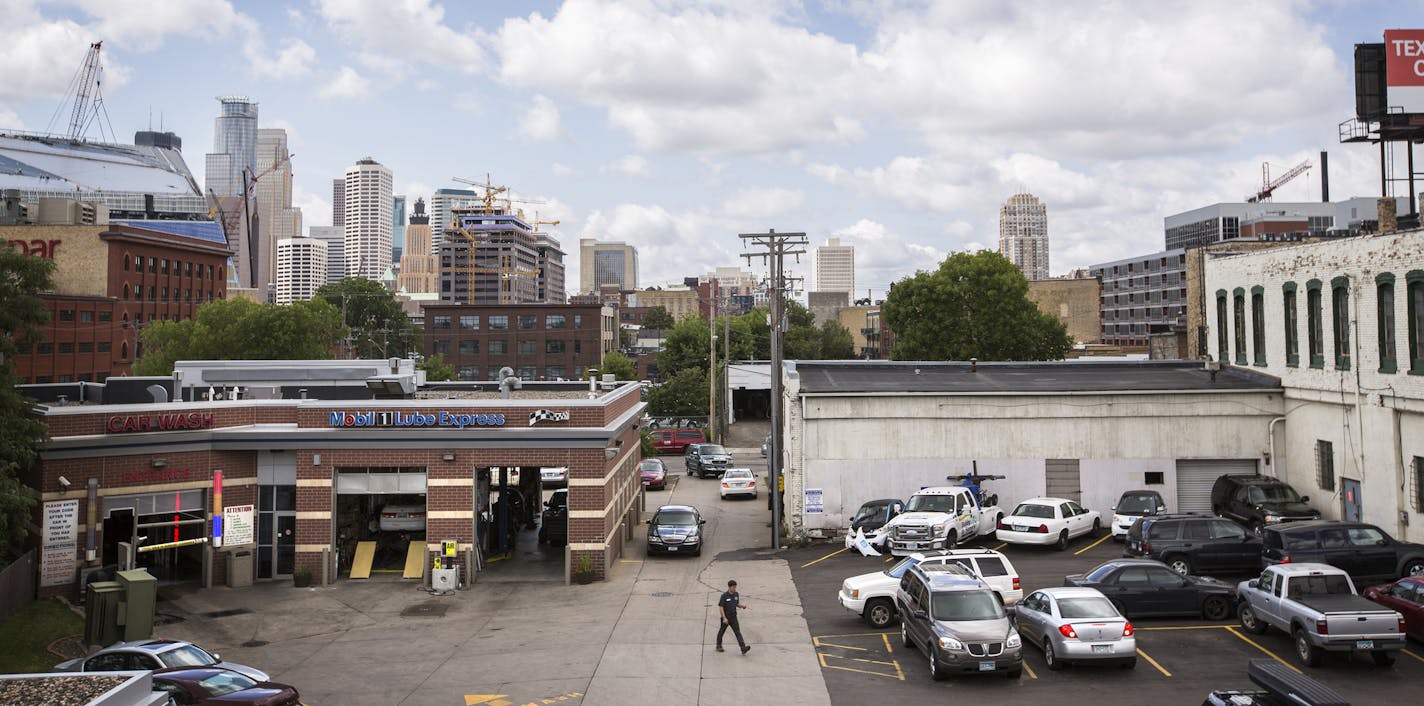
[(958, 622)]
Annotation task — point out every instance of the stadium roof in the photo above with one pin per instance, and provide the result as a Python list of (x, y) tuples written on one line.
[(51, 163), (210, 231)]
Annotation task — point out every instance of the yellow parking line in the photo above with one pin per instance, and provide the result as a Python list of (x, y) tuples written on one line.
[(1001, 546), (1256, 645), (844, 647), (1411, 654), (838, 551), (816, 638), (1031, 674), (630, 561), (889, 559), (1105, 538), (1153, 662)]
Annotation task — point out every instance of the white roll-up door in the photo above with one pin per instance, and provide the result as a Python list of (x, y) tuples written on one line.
[(1195, 478)]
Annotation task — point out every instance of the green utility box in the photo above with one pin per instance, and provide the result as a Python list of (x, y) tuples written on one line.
[(101, 613), (140, 603)]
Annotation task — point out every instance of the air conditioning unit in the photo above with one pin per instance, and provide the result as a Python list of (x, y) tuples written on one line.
[(445, 579)]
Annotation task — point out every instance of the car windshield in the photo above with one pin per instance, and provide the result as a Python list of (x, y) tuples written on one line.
[(676, 518), (966, 605), (709, 449), (1098, 574), (226, 683), (185, 656), (931, 503), (1137, 505), (1034, 510), (650, 466), (1089, 607), (899, 569), (737, 473), (1274, 494), (868, 511)]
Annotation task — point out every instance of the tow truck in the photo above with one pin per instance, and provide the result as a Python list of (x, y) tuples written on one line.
[(942, 517)]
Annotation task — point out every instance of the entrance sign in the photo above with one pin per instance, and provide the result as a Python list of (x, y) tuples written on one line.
[(60, 540)]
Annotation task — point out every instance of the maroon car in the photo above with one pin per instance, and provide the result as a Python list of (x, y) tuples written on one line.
[(1406, 596), (653, 473), (211, 686)]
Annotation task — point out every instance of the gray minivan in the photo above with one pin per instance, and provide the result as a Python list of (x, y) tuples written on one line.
[(958, 621)]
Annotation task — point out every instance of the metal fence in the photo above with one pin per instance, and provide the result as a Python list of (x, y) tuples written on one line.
[(17, 585)]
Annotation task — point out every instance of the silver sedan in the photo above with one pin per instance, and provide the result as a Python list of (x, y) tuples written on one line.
[(1072, 624)]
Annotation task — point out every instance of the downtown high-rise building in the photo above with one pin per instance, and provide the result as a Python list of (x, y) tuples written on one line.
[(441, 203), (338, 202), (603, 263), (1023, 235), (335, 239), (419, 270), (234, 155), (301, 269), (367, 219), (833, 268), (277, 218), (397, 226)]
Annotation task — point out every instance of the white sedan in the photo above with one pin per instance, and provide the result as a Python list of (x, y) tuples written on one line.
[(1048, 521), (739, 481)]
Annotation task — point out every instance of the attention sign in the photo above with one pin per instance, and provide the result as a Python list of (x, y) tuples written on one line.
[(1404, 69)]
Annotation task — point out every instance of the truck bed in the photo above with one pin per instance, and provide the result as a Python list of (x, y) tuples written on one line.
[(1341, 603)]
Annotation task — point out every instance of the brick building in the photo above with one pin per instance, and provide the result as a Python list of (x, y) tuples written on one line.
[(538, 341), (1074, 302)]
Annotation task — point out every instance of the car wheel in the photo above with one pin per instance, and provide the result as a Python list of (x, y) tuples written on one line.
[(1129, 663), (1062, 542), (905, 635), (1180, 564), (1216, 608), (1413, 567), (1309, 654), (879, 613), (951, 540), (1250, 622), (1050, 657), (1097, 527), (936, 673), (1382, 658)]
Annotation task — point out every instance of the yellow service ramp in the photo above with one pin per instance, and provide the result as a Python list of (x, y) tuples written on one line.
[(361, 564), (415, 561)]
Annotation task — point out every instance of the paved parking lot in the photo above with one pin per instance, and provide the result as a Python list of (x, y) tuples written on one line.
[(1180, 661)]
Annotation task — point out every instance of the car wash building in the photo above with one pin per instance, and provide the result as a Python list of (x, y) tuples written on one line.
[(266, 469), (1087, 431)]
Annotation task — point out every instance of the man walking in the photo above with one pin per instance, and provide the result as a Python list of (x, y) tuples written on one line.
[(728, 605)]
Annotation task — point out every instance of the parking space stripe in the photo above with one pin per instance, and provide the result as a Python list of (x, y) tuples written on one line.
[(1001, 546), (1094, 544), (1031, 674), (1153, 662), (1257, 645), (1411, 654), (838, 551)]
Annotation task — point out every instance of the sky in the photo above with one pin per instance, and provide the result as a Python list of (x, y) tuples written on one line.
[(897, 127)]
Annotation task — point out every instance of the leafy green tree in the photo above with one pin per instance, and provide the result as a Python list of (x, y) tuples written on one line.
[(239, 329), (681, 395), (619, 365), (975, 305), (645, 445), (658, 318), (685, 347), (436, 369), (379, 327), (836, 342), (22, 312)]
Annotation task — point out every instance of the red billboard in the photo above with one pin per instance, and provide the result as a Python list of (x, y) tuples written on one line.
[(1404, 69)]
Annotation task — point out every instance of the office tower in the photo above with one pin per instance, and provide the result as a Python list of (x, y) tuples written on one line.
[(338, 202), (301, 269), (397, 227), (234, 152), (367, 220), (606, 263), (335, 239), (1023, 235), (419, 271), (440, 205), (277, 219), (500, 259), (834, 267)]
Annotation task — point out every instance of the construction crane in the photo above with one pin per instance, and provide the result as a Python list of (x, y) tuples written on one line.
[(1269, 185), (86, 88)]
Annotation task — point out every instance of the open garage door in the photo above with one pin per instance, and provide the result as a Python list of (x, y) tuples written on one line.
[(1195, 478), (381, 521)]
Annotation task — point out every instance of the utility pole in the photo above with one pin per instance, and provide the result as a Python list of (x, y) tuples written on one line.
[(712, 365), (778, 246), (726, 359)]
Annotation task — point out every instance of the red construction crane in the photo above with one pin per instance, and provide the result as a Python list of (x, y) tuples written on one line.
[(1269, 185)]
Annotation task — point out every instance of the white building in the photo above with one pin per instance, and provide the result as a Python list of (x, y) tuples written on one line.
[(367, 219), (335, 239), (1023, 234), (833, 268), (1341, 323), (301, 269), (276, 217)]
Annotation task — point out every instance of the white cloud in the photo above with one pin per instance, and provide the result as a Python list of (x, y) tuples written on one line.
[(763, 203), (560, 169), (316, 211), (541, 121), (631, 165), (346, 84), (671, 245), (294, 59), (10, 120), (405, 33)]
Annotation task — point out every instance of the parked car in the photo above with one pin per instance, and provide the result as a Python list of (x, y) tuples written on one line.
[(1193, 544), (872, 595), (871, 518), (1364, 551), (1316, 605), (144, 655), (403, 513), (1407, 597), (1280, 685), (704, 459), (653, 473), (957, 622), (210, 686), (1142, 588), (1132, 506), (1076, 625), (1256, 501), (554, 522), (675, 441), (1048, 521), (676, 529), (940, 517), (739, 482), (554, 476)]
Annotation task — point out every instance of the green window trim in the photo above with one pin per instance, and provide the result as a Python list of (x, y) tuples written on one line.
[(1238, 307), (1223, 352), (1385, 323), (1414, 308), (1314, 328), (1258, 325), (1340, 321), (1290, 319)]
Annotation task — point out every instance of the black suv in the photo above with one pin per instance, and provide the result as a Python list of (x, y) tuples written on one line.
[(1363, 551), (1194, 544), (1257, 501), (704, 460), (554, 524)]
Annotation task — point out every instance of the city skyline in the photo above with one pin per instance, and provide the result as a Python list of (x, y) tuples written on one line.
[(677, 158)]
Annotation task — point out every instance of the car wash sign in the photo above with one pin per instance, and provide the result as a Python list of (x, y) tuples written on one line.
[(442, 419), (159, 422), (1404, 69)]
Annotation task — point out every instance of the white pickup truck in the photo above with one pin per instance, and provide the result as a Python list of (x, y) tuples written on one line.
[(941, 518), (1317, 606)]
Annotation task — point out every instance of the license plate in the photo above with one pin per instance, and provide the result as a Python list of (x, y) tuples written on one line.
[(672, 549), (1020, 528), (1364, 644), (912, 545), (986, 666), (647, 482), (1102, 649)]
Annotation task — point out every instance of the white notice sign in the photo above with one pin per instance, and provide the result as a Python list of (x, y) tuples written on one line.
[(238, 525), (60, 539), (813, 501)]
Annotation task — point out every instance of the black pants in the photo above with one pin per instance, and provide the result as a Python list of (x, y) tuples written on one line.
[(736, 630)]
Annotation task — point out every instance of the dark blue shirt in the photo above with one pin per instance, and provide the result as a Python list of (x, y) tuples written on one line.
[(730, 602)]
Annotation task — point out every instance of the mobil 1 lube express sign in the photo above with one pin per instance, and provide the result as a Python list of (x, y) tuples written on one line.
[(441, 419)]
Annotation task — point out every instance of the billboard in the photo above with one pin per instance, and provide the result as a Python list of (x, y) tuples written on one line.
[(1404, 69)]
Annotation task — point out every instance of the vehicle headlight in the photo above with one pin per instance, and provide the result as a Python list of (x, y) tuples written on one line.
[(940, 528), (1273, 518), (1014, 640), (654, 539), (950, 643), (855, 593)]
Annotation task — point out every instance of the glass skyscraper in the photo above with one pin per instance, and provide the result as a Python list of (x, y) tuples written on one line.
[(234, 147)]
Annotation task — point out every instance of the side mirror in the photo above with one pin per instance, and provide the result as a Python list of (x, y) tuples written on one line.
[(702, 522), (1305, 498), (216, 657), (1253, 583), (1012, 611), (647, 522), (919, 614)]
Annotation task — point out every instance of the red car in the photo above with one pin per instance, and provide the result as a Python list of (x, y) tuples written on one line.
[(1406, 596), (675, 441), (211, 686), (653, 473)]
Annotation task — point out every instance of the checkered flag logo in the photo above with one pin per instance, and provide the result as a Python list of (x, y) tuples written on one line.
[(547, 415)]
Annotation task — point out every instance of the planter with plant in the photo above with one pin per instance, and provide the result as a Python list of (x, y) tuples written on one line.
[(301, 577), (583, 570)]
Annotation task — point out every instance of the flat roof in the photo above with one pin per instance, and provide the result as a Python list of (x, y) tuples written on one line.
[(851, 377)]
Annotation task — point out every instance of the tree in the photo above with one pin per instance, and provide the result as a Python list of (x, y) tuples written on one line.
[(239, 329), (619, 365), (973, 306), (836, 342), (658, 318), (684, 347), (436, 369), (682, 395), (378, 324), (22, 312)]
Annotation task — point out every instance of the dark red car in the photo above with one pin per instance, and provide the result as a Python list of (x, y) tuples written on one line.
[(653, 473), (210, 686), (675, 441), (1406, 596)]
